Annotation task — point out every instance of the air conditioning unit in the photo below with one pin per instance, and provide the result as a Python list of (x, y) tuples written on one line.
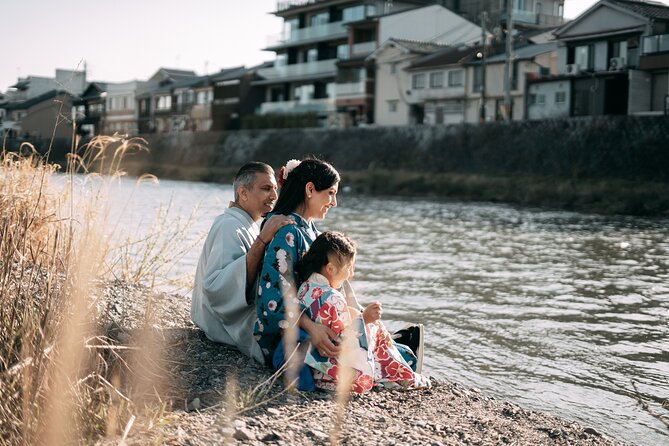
[(616, 63), (573, 68)]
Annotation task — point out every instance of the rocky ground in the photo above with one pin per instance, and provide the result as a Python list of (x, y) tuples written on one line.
[(211, 394)]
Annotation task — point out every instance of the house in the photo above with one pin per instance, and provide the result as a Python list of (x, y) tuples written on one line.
[(391, 103), (154, 100), (235, 97), (612, 60), (121, 107), (89, 110), (33, 86), (314, 38), (532, 61), (356, 72), (191, 103), (40, 118), (437, 84)]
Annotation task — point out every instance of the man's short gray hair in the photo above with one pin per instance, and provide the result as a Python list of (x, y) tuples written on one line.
[(246, 176)]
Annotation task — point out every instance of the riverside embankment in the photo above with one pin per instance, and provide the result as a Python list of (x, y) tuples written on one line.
[(601, 164)]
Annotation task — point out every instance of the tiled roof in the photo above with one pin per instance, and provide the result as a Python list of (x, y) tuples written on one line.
[(36, 100), (526, 52), (228, 73), (646, 8), (419, 46), (447, 56)]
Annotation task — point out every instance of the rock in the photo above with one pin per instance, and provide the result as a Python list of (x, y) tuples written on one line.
[(271, 437), (315, 433), (592, 431), (273, 411), (243, 433), (194, 405)]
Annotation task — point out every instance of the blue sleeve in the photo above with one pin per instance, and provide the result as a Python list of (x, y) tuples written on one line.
[(277, 274)]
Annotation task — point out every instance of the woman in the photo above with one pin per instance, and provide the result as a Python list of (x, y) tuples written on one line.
[(308, 191)]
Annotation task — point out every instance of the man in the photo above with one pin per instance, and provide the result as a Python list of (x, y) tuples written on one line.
[(223, 303)]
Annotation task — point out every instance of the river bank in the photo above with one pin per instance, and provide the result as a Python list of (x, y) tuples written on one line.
[(600, 196), (217, 395)]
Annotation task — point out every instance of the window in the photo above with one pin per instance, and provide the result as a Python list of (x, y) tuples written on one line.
[(560, 97), (320, 19), (342, 51), (477, 85), (164, 102), (312, 55), (455, 78), (618, 49), (392, 106), (537, 99), (436, 80), (584, 56), (204, 97), (418, 81)]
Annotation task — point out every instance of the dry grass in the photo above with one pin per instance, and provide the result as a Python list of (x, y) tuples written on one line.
[(62, 379)]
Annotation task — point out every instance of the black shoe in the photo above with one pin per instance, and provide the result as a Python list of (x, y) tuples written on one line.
[(412, 337)]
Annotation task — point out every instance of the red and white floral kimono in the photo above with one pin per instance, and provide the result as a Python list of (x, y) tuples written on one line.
[(375, 359)]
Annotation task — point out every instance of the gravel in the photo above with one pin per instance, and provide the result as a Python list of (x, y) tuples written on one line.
[(215, 395)]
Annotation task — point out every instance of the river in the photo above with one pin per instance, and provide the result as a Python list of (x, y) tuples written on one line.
[(555, 311)]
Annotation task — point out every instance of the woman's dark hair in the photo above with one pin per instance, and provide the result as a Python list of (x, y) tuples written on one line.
[(331, 242), (291, 195)]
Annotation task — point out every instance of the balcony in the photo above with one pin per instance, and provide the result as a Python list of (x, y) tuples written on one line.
[(313, 105), (522, 17), (655, 44), (351, 89), (361, 49), (550, 20), (283, 5), (321, 68), (333, 30)]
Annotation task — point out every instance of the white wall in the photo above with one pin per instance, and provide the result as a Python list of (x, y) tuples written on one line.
[(432, 23), (550, 108), (391, 87)]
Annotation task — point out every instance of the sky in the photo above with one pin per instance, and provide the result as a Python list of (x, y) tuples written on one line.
[(130, 39)]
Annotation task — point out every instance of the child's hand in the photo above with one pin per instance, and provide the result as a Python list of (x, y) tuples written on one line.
[(372, 312)]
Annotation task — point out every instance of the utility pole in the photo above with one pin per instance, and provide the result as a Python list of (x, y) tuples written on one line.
[(484, 19), (509, 57)]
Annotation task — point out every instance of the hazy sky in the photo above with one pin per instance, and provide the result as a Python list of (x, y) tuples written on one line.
[(122, 40)]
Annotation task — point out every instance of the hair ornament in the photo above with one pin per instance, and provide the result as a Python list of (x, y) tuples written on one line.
[(286, 170)]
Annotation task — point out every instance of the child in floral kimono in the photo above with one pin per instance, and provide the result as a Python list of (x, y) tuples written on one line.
[(375, 358)]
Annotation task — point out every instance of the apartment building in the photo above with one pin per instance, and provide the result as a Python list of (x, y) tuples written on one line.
[(313, 39)]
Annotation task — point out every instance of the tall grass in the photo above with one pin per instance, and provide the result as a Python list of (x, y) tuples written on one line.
[(62, 379)]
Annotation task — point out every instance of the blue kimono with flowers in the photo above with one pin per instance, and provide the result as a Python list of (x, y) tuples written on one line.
[(287, 247)]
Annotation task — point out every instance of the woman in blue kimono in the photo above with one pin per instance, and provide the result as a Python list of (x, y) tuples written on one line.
[(308, 189)]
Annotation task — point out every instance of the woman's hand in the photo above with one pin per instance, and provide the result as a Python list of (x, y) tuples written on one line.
[(320, 337), (372, 312)]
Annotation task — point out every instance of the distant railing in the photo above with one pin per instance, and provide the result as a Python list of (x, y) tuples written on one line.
[(655, 44), (362, 49), (312, 32), (524, 16), (313, 105), (550, 20), (300, 69), (350, 89), (287, 4)]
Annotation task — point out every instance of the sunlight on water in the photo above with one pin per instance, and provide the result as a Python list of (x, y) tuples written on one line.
[(553, 310)]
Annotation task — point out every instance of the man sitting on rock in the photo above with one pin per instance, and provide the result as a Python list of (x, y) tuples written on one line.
[(223, 303)]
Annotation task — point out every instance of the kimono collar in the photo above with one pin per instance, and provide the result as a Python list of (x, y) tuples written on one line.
[(302, 222), (319, 279), (240, 214)]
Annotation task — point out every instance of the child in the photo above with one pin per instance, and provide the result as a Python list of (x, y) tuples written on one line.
[(375, 358)]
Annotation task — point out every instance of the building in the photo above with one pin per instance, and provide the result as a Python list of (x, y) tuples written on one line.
[(438, 84), (40, 118), (391, 102), (154, 100), (612, 60), (533, 61), (30, 87), (356, 72), (89, 110), (235, 97), (527, 14), (314, 38)]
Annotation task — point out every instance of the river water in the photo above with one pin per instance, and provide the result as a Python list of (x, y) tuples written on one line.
[(555, 311)]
